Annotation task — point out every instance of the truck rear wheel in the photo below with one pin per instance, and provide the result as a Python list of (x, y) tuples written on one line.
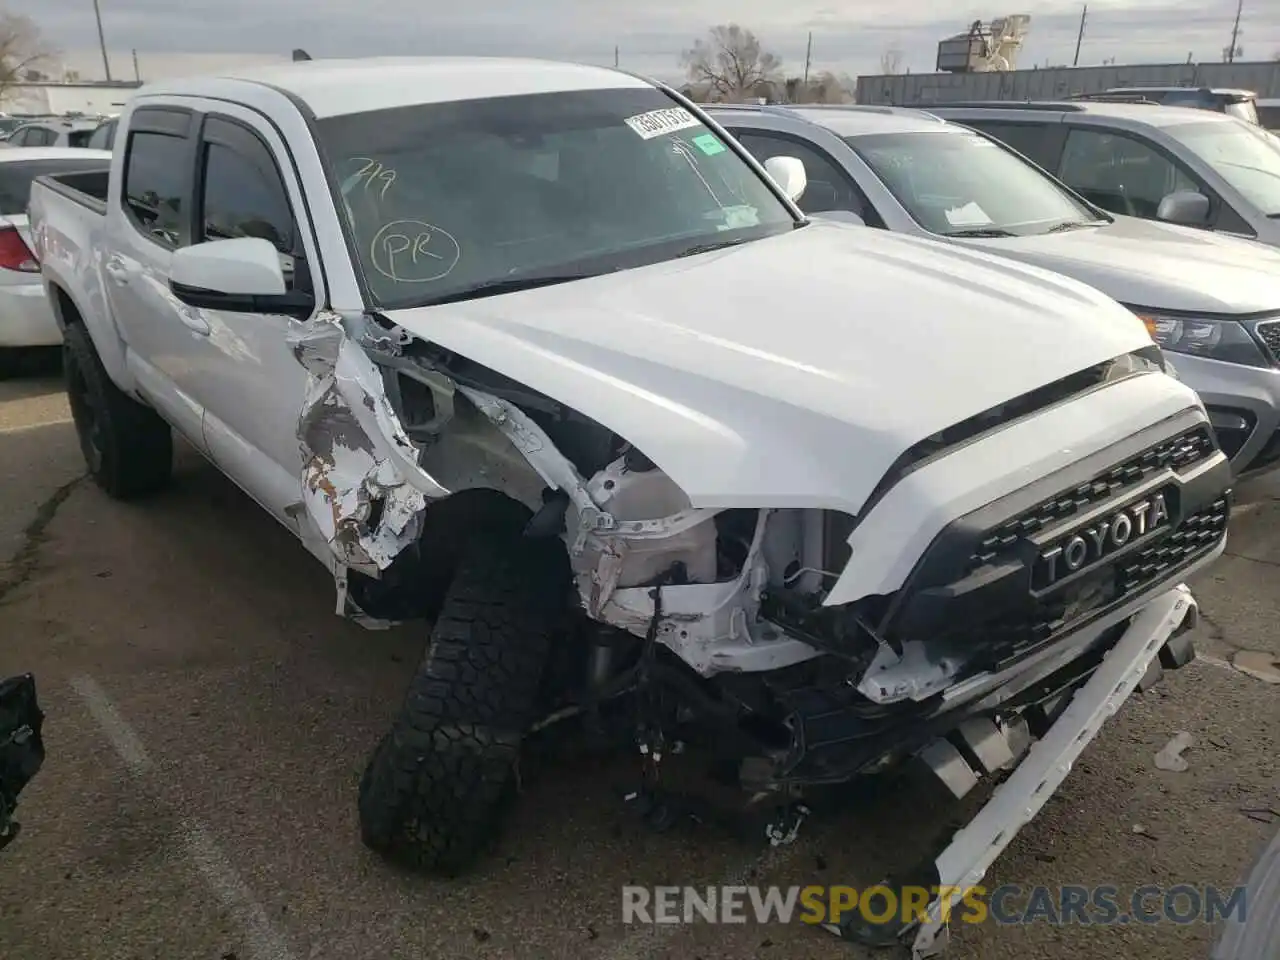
[(127, 447), (436, 788)]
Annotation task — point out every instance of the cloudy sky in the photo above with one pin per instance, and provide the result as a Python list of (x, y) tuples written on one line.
[(848, 35)]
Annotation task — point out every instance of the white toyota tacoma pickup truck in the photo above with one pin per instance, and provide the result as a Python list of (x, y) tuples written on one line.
[(536, 352)]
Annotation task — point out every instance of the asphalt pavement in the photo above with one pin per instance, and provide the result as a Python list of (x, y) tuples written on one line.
[(209, 717)]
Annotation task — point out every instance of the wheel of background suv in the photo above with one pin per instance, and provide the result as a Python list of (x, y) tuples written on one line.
[(127, 447), (436, 788)]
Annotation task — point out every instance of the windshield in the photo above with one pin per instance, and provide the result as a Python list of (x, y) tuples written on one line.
[(957, 183), (446, 199), (16, 177), (1246, 157)]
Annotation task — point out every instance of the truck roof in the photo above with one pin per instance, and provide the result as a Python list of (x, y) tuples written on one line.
[(335, 87)]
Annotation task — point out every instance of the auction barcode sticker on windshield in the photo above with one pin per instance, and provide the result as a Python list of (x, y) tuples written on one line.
[(657, 122)]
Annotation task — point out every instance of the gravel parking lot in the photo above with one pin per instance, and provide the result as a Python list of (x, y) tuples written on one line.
[(209, 716)]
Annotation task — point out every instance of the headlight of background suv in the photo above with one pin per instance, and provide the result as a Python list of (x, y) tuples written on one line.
[(1225, 340)]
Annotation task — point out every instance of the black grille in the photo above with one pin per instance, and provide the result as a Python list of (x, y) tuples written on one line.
[(1269, 333), (1010, 633), (1177, 453)]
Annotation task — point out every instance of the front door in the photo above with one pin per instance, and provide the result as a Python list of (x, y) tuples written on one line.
[(250, 385)]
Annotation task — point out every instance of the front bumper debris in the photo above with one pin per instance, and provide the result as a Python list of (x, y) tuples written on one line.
[(966, 859), (1015, 802)]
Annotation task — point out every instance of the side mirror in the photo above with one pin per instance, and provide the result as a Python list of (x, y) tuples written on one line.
[(243, 275), (840, 216), (1186, 207), (788, 173)]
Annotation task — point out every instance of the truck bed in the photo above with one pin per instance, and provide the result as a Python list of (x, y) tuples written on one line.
[(87, 188)]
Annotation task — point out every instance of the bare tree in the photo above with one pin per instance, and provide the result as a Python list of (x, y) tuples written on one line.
[(730, 63), (891, 61), (22, 49), (829, 87)]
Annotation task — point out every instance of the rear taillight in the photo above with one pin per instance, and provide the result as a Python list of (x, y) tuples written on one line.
[(14, 252)]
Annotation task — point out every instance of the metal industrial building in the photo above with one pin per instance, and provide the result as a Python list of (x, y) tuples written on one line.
[(1262, 77)]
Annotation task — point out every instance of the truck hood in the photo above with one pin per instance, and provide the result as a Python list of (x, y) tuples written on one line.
[(791, 371), (1165, 267)]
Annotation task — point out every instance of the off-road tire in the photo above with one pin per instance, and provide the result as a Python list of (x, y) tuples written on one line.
[(437, 786), (127, 447)]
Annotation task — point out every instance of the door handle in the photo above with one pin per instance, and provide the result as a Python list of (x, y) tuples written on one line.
[(117, 272), (192, 320)]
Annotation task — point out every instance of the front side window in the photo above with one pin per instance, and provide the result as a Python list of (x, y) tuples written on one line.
[(827, 187), (79, 138), (957, 183), (1246, 157), (1121, 173), (243, 195), (446, 200), (154, 181)]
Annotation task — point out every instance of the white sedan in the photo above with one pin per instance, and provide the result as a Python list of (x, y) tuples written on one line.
[(26, 321)]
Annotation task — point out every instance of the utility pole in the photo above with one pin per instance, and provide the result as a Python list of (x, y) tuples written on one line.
[(1080, 35), (808, 58), (102, 41), (136, 75), (1235, 33), (615, 56)]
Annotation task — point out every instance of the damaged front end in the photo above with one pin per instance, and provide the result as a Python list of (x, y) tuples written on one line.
[(1003, 650), (733, 607)]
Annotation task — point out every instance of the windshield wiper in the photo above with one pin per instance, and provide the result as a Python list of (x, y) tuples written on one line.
[(494, 288), (1074, 225), (709, 246), (982, 232)]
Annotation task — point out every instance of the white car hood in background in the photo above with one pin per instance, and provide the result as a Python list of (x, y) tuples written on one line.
[(1157, 265), (792, 371)]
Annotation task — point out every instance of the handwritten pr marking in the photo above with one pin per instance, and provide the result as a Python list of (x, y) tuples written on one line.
[(411, 251)]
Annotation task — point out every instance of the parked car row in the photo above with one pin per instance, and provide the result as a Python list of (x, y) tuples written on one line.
[(540, 353), (58, 131), (1211, 300)]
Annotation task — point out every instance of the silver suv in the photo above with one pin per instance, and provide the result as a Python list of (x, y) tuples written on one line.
[(1178, 164)]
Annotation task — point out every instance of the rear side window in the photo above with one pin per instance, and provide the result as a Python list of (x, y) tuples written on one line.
[(1038, 142), (79, 138), (103, 138), (155, 181)]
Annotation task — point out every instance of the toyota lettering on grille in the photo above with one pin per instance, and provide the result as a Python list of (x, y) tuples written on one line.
[(1086, 547)]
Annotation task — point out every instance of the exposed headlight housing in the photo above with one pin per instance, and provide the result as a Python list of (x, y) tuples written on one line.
[(1213, 339)]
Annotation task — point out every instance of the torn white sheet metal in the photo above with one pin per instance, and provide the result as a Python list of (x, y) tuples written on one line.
[(1018, 799), (532, 441), (361, 485)]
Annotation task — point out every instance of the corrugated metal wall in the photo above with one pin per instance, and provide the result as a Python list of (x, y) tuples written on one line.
[(917, 88)]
